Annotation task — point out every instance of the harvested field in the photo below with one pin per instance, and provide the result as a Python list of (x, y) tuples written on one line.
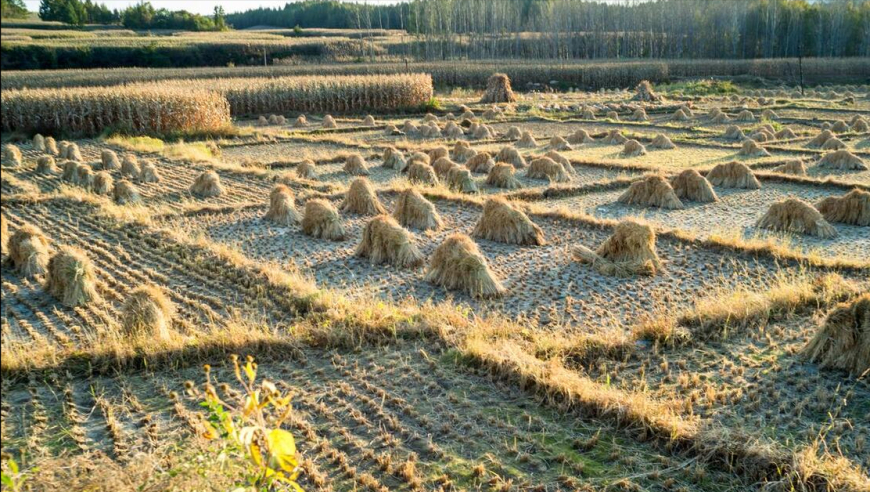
[(678, 365)]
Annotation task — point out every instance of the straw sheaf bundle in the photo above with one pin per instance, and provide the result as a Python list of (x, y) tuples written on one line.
[(502, 175), (305, 169), (588, 114), (45, 165), (462, 152), (328, 122), (820, 139), (842, 160), (762, 136), (458, 264), (513, 133), (690, 185), (614, 137), (300, 122), (843, 342), (503, 222), (130, 167), (580, 136), (860, 125), (85, 176), (721, 118), (413, 210), (769, 114), (547, 168), (631, 250), (149, 173), (511, 156), (28, 251), (733, 132), (840, 126), (125, 192), (385, 241), (559, 143), (147, 312), (852, 208), (460, 180), (633, 148), (430, 130), (109, 160), (797, 216), (11, 155), (139, 109), (421, 157), (785, 134), (733, 175), (71, 277), (420, 172), (355, 165), (38, 143), (680, 115), (103, 183), (453, 131), (369, 120), (833, 144), (73, 152), (662, 141), (612, 115), (566, 164), (526, 141), (70, 172), (483, 132), (394, 159), (653, 191), (498, 90), (795, 167), (51, 146), (640, 115), (480, 163), (438, 152), (361, 199), (752, 149), (207, 185), (282, 207), (321, 220), (442, 166), (745, 116), (644, 92)]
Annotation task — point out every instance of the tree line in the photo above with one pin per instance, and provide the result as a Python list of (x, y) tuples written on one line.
[(572, 29), (140, 16)]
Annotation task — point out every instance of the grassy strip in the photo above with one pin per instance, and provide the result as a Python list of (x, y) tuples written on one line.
[(724, 312)]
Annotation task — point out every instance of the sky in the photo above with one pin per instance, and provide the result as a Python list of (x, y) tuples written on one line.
[(196, 6)]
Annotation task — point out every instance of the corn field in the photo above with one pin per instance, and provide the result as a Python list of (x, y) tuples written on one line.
[(583, 74), (146, 109), (382, 93)]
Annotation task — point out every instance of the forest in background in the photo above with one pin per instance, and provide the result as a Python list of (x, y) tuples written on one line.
[(449, 29)]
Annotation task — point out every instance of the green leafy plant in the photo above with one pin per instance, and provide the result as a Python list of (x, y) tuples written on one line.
[(251, 428), (13, 479)]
